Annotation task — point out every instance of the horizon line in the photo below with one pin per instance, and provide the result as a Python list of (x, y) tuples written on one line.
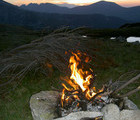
[(123, 4)]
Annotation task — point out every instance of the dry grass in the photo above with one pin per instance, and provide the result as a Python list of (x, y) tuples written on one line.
[(35, 56)]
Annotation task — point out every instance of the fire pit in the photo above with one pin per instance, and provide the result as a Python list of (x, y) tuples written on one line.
[(81, 100)]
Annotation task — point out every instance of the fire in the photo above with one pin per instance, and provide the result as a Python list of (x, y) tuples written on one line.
[(79, 81)]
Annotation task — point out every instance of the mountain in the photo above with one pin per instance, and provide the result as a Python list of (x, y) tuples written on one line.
[(98, 7), (67, 5), (45, 7), (10, 14), (109, 9), (102, 7)]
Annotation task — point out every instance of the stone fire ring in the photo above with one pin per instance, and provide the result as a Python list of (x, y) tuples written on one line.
[(43, 107)]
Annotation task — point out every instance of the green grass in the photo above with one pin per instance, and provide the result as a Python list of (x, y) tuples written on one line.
[(116, 59), (126, 32), (10, 41), (112, 60), (15, 105), (14, 36)]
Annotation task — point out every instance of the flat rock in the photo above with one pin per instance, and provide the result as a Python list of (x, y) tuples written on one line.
[(111, 112), (81, 115), (43, 105), (130, 115)]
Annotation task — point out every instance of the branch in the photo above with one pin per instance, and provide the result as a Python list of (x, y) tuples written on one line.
[(127, 83), (131, 92)]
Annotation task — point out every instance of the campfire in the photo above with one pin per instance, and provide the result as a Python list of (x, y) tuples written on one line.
[(79, 92), (81, 88), (80, 82), (80, 99)]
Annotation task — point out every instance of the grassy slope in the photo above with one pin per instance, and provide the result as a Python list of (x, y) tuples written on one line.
[(112, 60), (126, 32), (13, 36)]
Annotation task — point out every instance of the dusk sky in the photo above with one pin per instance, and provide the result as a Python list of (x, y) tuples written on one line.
[(126, 3)]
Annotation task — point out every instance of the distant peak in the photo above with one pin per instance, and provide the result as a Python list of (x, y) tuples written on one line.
[(46, 4), (41, 4), (67, 5), (32, 4), (106, 3)]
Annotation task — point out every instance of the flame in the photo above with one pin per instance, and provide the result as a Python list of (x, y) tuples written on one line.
[(79, 80)]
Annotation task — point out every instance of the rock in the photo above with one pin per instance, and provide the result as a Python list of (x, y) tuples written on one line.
[(130, 115), (121, 39), (128, 104), (81, 115), (84, 36), (113, 38), (111, 112), (43, 105)]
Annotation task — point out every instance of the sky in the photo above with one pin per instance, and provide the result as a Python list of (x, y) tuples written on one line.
[(126, 3)]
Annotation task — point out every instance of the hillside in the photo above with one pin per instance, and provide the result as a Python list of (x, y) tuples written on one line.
[(14, 15), (102, 7), (14, 36)]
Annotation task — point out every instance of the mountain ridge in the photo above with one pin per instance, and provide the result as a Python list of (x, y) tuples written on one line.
[(101, 7), (9, 14), (44, 7)]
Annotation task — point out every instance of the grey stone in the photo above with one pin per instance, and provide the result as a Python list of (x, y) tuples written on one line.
[(80, 115), (43, 105), (111, 112), (130, 115), (128, 104), (121, 39)]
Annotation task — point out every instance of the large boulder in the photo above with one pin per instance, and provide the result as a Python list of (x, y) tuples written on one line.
[(130, 115), (111, 112), (43, 105)]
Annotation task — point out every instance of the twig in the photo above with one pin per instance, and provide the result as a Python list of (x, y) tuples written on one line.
[(127, 83), (100, 93), (55, 89), (128, 73), (131, 92)]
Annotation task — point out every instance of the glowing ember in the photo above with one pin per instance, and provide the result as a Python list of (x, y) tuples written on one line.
[(80, 81)]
